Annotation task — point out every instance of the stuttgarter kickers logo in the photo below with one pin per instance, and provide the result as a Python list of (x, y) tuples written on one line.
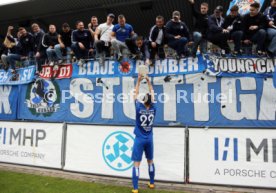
[(43, 97), (117, 150), (125, 67)]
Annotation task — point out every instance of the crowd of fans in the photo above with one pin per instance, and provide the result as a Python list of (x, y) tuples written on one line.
[(120, 40)]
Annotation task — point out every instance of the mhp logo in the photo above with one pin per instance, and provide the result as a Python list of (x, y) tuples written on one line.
[(117, 150), (229, 147), (21, 137)]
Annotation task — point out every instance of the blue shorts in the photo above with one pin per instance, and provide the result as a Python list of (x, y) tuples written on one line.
[(140, 145)]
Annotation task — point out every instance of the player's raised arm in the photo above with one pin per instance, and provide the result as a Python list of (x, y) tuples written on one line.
[(151, 91), (137, 87)]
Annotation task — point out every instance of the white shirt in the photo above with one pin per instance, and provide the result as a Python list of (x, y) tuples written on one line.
[(105, 32), (159, 37)]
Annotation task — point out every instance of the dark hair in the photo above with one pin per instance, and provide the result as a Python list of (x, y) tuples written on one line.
[(139, 38), (77, 22), (234, 8), (256, 5), (121, 16), (21, 28), (160, 17), (94, 17), (147, 99), (34, 25), (204, 4), (65, 25)]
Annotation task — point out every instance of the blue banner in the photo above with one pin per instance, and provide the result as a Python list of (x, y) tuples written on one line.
[(244, 5), (184, 100), (8, 102), (21, 76), (112, 68), (249, 66)]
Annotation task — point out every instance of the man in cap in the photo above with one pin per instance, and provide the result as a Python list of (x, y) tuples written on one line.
[(216, 34), (178, 34)]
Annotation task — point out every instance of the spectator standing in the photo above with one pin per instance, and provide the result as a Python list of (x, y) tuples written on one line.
[(92, 26), (200, 27)]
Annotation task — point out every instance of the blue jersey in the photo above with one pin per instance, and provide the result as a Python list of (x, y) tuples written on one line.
[(122, 32), (144, 120)]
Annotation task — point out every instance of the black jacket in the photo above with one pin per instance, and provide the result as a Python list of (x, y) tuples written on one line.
[(213, 25), (66, 38), (248, 21), (82, 36), (50, 39), (236, 22), (201, 23), (154, 31), (26, 44), (38, 40), (177, 28)]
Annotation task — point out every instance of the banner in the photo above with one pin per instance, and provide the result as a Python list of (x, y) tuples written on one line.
[(57, 71), (192, 100), (22, 76), (239, 66), (35, 144), (233, 157), (106, 150), (8, 102), (244, 5), (112, 68)]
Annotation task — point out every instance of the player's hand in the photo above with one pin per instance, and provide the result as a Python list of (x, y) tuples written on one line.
[(147, 79)]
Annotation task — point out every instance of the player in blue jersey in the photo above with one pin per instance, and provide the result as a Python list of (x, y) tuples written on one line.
[(145, 113)]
